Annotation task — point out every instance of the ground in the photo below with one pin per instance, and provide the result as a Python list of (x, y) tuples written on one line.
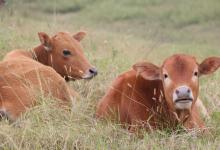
[(120, 33)]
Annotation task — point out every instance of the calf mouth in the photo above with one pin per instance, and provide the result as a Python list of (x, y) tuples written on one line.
[(183, 100), (88, 77), (183, 103)]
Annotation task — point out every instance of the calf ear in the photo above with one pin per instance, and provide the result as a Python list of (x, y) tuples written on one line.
[(209, 65), (147, 70), (79, 35), (45, 40)]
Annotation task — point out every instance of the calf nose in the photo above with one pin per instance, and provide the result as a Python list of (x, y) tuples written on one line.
[(183, 92), (93, 71)]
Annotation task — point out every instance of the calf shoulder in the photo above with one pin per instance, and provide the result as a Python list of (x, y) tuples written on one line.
[(111, 102)]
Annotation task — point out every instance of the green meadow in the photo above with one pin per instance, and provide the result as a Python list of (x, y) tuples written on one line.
[(120, 33)]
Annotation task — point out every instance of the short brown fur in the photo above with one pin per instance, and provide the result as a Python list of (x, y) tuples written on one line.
[(50, 53), (26, 74), (141, 99)]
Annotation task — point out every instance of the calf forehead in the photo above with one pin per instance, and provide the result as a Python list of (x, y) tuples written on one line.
[(180, 65), (62, 36), (65, 39)]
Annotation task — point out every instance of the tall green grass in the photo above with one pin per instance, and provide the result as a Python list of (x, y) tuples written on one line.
[(120, 33)]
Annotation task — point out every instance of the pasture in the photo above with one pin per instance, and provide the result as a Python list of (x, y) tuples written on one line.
[(120, 33)]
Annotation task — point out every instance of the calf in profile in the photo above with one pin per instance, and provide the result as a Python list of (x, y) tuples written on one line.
[(26, 74), (63, 52), (158, 97)]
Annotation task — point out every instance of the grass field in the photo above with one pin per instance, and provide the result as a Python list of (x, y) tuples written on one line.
[(120, 33)]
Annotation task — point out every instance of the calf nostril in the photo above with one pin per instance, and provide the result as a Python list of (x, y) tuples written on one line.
[(93, 71), (177, 91), (188, 91)]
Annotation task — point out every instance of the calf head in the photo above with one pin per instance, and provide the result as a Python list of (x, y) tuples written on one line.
[(180, 78), (65, 54)]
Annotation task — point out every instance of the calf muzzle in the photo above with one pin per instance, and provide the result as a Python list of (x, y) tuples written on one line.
[(92, 72), (183, 93), (183, 97)]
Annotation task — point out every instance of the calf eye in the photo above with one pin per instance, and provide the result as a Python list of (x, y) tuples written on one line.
[(66, 52), (165, 76), (196, 73)]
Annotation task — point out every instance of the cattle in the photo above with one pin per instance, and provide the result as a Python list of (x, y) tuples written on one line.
[(25, 75), (152, 97), (62, 52)]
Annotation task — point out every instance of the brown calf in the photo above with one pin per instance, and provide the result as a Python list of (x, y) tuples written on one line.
[(63, 52), (22, 81), (24, 75), (158, 97)]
